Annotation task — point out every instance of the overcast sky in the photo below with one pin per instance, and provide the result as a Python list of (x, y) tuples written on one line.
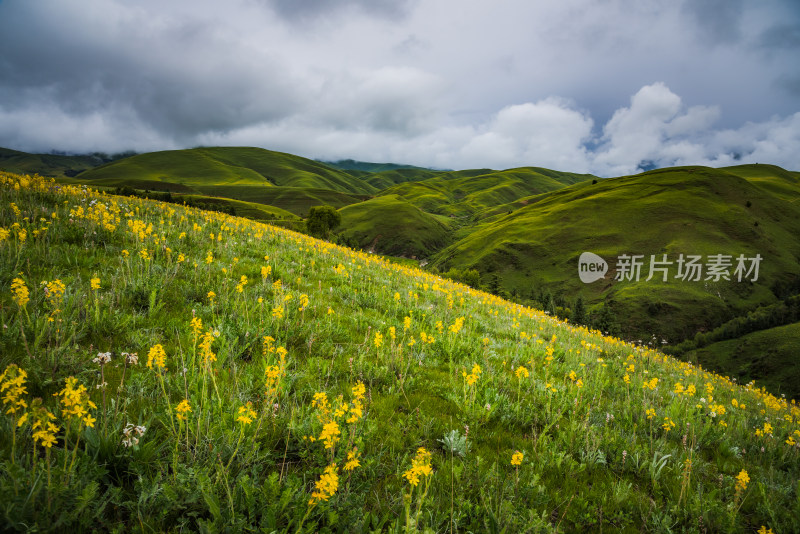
[(601, 86)]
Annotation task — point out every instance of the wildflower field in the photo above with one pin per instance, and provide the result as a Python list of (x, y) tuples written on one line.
[(171, 369)]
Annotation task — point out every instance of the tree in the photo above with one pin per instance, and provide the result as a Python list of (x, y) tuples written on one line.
[(578, 312), (321, 220)]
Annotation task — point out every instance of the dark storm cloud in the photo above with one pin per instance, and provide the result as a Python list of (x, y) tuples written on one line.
[(303, 10), (178, 75), (716, 21), (577, 85)]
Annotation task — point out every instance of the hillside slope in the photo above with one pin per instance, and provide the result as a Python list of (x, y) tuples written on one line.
[(689, 211), (226, 166), (768, 356), (169, 369), (46, 164), (392, 226), (465, 193)]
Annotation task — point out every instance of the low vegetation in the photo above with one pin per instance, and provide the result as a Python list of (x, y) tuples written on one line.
[(164, 368)]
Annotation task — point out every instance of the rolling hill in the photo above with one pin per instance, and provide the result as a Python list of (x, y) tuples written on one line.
[(53, 165), (521, 229), (690, 211), (394, 227), (226, 166)]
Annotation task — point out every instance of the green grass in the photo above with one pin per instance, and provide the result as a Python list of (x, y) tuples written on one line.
[(447, 379), (228, 166), (296, 200), (251, 210), (392, 226), (769, 357), (45, 164), (525, 226), (673, 211), (465, 193)]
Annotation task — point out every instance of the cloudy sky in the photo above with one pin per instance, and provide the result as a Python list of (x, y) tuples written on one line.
[(601, 86)]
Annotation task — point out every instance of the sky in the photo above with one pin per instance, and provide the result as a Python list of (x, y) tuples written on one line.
[(608, 87)]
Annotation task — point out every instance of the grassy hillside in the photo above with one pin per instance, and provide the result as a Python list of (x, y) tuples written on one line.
[(296, 200), (251, 210), (226, 166), (394, 227), (695, 210), (46, 164), (767, 356), (465, 193), (169, 369)]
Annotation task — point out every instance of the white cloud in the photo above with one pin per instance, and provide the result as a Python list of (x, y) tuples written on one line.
[(654, 130), (429, 83), (548, 133)]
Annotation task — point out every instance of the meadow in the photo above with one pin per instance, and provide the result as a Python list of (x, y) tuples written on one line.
[(165, 368)]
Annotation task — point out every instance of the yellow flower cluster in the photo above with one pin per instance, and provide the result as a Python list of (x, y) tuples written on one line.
[(352, 460), (742, 479), (457, 325), (765, 431), (326, 486), (206, 353), (420, 467), (54, 290), (516, 459), (157, 357), (75, 402), (94, 283), (182, 409), (357, 404), (12, 387), (246, 414), (473, 376), (650, 384), (522, 372), (44, 430), (330, 434), (20, 291)]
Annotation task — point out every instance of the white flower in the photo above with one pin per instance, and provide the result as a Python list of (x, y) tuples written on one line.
[(102, 358)]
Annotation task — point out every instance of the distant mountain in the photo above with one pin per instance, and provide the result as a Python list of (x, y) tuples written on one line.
[(53, 165), (228, 166), (353, 165)]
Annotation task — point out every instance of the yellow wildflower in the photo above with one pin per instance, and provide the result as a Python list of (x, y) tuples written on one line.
[(156, 356), (182, 409), (326, 486)]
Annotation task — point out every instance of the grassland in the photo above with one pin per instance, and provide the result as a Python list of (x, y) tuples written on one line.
[(521, 229), (673, 211), (768, 356), (226, 166), (392, 226), (169, 369), (46, 164)]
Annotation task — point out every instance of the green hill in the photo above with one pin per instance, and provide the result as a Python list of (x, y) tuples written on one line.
[(54, 165), (169, 369), (226, 166), (392, 226), (768, 357), (690, 211), (466, 193)]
